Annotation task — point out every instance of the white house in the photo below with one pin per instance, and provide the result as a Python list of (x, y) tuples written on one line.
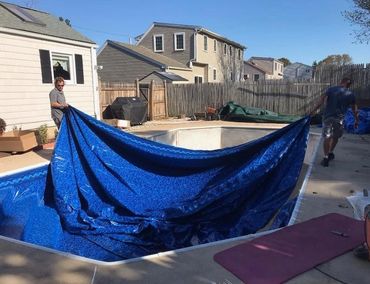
[(34, 45), (298, 71)]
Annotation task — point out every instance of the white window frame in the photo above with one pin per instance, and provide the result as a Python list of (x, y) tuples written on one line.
[(205, 43), (215, 45), (72, 66), (175, 40), (155, 42)]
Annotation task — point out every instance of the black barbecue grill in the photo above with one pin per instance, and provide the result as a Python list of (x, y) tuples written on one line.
[(134, 109)]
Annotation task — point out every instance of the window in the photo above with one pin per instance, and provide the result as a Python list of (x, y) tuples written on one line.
[(239, 54), (275, 66), (225, 49), (214, 45), (205, 42), (55, 64), (179, 39), (62, 65), (231, 50), (214, 74), (198, 80), (232, 76), (256, 77), (158, 43)]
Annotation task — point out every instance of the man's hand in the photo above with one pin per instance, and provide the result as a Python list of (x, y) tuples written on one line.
[(356, 123)]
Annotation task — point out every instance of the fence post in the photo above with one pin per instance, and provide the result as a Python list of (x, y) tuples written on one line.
[(165, 98), (137, 88), (150, 99)]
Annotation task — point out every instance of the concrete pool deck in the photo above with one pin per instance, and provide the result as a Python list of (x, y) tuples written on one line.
[(325, 192)]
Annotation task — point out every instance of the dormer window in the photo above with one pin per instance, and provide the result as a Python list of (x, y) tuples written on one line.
[(158, 43), (179, 39)]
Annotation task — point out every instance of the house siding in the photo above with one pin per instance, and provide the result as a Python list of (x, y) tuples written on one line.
[(121, 66), (250, 71), (183, 56), (24, 99), (225, 64)]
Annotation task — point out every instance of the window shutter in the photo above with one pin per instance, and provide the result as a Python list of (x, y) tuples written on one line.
[(79, 69), (45, 66)]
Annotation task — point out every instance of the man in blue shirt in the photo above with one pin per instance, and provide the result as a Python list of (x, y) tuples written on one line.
[(337, 100)]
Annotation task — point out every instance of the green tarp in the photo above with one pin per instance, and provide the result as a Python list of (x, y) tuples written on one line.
[(234, 112)]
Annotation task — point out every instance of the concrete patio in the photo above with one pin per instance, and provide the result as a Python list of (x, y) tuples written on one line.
[(325, 191)]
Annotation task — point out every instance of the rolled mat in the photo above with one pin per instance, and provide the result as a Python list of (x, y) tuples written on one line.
[(284, 254)]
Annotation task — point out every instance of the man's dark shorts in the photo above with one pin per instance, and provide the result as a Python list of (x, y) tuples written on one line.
[(332, 127)]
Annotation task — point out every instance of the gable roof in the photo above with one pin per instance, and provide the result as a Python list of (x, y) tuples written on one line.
[(198, 29), (25, 19), (298, 65), (169, 76), (256, 66), (259, 58), (147, 54)]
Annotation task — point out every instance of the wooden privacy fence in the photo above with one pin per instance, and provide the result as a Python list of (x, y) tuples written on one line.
[(359, 73), (154, 94), (281, 96)]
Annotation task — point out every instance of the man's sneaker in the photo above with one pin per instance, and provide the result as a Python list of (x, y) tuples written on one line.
[(325, 162), (331, 156)]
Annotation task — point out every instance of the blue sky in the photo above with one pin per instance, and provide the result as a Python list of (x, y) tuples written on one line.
[(300, 30)]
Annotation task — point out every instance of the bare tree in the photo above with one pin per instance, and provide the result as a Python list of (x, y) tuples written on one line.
[(360, 16), (336, 59)]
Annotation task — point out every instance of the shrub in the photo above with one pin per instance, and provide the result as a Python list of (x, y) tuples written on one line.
[(42, 134), (2, 126)]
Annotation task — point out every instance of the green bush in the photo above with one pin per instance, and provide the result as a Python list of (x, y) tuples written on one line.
[(42, 134)]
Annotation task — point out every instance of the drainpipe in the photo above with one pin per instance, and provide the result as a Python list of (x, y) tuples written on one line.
[(95, 84), (194, 48)]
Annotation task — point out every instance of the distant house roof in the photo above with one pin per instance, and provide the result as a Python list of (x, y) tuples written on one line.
[(147, 54), (191, 27), (258, 67), (167, 76), (299, 65), (25, 19), (264, 58)]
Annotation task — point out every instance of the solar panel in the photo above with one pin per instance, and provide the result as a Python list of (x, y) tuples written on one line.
[(22, 14)]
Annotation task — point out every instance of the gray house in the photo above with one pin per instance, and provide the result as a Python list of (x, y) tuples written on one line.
[(122, 62), (211, 57), (298, 71)]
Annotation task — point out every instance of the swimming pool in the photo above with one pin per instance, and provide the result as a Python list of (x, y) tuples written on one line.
[(205, 138)]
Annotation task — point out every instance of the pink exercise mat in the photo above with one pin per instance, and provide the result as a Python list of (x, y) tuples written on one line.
[(284, 254)]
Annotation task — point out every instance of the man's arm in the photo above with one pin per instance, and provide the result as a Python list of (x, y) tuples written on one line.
[(319, 104), (58, 105), (355, 113), (54, 103)]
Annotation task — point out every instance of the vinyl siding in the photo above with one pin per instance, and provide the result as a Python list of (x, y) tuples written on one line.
[(183, 56), (24, 99), (119, 66)]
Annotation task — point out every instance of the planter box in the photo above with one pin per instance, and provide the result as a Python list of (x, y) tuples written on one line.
[(18, 141)]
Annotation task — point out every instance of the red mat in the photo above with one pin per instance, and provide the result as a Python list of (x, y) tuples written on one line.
[(284, 254)]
